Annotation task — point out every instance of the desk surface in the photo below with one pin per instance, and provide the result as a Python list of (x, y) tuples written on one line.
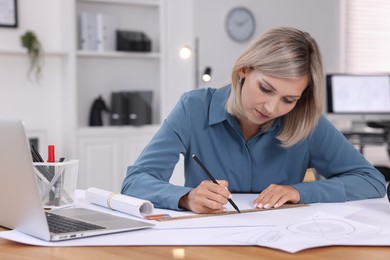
[(12, 250), (375, 210)]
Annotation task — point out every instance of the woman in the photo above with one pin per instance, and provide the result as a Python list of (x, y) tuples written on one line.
[(257, 135)]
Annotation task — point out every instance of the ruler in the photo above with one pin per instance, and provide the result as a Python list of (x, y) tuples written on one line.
[(285, 206)]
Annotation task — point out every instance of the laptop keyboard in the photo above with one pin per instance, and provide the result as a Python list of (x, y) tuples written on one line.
[(60, 224)]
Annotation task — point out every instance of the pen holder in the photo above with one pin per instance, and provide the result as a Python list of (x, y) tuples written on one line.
[(57, 182)]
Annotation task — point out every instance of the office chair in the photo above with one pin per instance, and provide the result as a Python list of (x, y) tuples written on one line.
[(385, 125), (388, 192), (385, 170)]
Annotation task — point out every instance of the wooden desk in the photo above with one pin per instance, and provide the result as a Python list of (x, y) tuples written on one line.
[(12, 250)]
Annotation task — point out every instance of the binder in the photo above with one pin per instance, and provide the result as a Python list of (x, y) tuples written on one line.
[(139, 107), (87, 33), (118, 115), (105, 32), (131, 108)]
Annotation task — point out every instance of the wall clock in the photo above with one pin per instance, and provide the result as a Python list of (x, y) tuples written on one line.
[(240, 24)]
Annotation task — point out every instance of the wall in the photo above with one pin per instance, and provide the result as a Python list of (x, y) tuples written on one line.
[(39, 105), (178, 73), (322, 19), (34, 15)]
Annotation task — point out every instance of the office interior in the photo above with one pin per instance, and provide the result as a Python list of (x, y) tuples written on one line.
[(56, 107)]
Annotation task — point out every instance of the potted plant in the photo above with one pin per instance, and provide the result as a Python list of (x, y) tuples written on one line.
[(35, 53)]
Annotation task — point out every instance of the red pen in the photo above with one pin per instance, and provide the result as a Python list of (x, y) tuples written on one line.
[(50, 154)]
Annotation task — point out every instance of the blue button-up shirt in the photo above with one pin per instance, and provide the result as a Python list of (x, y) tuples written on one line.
[(199, 124)]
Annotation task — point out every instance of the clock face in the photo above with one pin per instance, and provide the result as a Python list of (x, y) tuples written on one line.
[(240, 24)]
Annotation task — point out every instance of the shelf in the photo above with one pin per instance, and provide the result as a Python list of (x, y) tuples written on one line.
[(115, 130), (130, 2), (15, 51), (117, 54)]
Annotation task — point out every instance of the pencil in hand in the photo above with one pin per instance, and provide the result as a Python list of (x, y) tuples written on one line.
[(213, 179)]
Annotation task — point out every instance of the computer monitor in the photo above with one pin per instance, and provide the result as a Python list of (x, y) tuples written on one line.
[(358, 94)]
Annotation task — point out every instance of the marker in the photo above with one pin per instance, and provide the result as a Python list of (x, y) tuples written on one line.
[(51, 154), (213, 179)]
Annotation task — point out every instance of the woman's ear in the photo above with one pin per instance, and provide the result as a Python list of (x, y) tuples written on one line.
[(242, 72)]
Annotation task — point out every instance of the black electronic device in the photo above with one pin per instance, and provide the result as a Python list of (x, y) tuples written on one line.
[(358, 94), (132, 41)]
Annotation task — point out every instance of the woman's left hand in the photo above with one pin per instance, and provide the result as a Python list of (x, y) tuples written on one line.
[(275, 196)]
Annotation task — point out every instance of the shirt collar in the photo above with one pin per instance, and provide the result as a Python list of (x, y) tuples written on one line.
[(217, 112)]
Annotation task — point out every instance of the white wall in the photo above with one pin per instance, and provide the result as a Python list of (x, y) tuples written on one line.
[(39, 105), (177, 73), (322, 19), (41, 16)]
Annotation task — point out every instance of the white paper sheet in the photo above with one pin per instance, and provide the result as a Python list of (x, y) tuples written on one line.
[(126, 204), (146, 237), (234, 229), (318, 230)]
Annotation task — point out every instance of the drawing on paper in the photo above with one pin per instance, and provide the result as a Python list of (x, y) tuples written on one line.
[(322, 227)]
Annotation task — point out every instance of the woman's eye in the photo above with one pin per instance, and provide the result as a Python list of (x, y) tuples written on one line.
[(265, 90), (288, 101)]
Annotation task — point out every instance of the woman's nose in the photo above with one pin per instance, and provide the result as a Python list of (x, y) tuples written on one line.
[(271, 105)]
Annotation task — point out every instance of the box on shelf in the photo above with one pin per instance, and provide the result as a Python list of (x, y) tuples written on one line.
[(132, 41)]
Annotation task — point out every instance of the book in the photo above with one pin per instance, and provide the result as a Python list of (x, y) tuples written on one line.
[(87, 35), (105, 32), (122, 203)]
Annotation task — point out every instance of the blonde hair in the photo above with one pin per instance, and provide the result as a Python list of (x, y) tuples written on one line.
[(284, 52)]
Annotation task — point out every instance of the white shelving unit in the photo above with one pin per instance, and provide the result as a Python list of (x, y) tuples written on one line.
[(99, 73), (105, 152), (119, 55)]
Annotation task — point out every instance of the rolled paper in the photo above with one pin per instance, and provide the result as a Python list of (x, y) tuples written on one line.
[(122, 203)]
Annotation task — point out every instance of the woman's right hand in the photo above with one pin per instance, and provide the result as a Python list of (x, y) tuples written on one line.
[(208, 197)]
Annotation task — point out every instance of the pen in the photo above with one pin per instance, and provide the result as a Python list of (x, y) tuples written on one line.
[(59, 186), (213, 179), (38, 158), (35, 154)]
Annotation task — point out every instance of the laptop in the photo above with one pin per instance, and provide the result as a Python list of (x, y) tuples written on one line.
[(21, 205)]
